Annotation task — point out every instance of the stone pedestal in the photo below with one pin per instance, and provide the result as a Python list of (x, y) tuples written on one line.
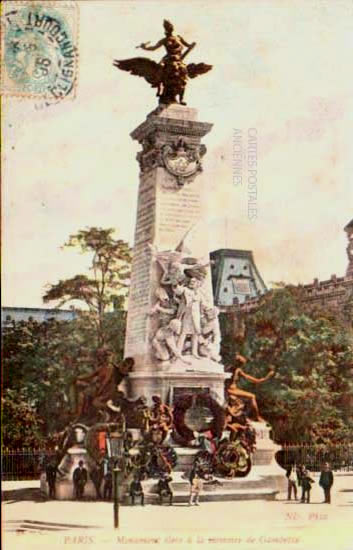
[(169, 211), (64, 486), (170, 379), (64, 489), (169, 241), (265, 480)]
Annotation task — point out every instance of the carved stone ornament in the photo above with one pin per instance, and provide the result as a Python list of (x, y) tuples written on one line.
[(182, 160), (149, 159)]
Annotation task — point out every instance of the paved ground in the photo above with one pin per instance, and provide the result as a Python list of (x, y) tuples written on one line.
[(30, 522)]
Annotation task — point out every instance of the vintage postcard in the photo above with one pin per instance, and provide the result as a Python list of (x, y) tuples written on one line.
[(177, 318)]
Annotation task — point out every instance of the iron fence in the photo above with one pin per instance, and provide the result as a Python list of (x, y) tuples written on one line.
[(27, 463), (340, 457)]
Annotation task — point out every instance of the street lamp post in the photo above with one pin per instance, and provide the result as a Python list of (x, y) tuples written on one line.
[(115, 452), (116, 471)]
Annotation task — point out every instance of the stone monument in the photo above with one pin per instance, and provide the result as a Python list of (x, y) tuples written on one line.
[(172, 326), (172, 348)]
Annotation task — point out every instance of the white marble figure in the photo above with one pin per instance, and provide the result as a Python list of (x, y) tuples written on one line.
[(165, 342), (189, 313), (164, 304), (210, 339), (187, 323)]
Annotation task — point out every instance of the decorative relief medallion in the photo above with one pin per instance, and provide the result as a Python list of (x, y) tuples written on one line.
[(180, 159)]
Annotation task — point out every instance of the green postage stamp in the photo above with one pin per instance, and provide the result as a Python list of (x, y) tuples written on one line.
[(39, 49)]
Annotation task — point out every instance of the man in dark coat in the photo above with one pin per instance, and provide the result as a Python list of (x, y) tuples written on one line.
[(80, 477), (326, 482), (51, 478), (164, 489), (136, 490), (292, 486), (96, 476), (306, 486)]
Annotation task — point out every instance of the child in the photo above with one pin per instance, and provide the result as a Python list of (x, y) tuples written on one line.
[(196, 485)]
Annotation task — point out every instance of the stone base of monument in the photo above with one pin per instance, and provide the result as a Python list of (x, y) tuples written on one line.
[(265, 480), (261, 484), (64, 489), (172, 379)]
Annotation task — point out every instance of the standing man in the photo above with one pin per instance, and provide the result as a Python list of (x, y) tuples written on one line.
[(299, 472), (51, 477), (80, 477), (306, 486), (326, 482), (96, 476), (292, 486)]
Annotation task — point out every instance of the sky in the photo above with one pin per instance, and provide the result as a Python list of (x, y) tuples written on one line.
[(281, 69)]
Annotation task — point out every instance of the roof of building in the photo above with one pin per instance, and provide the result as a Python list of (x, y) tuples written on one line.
[(233, 253), (39, 309)]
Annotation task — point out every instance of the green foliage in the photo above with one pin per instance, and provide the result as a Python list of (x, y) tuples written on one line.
[(21, 424), (311, 396), (108, 283), (41, 361)]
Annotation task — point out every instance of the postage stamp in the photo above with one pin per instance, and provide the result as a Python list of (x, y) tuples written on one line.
[(39, 49)]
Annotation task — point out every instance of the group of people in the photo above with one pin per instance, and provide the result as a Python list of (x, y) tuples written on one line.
[(164, 490), (197, 478), (80, 477), (300, 477)]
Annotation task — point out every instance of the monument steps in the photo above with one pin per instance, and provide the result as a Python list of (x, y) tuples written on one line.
[(254, 481), (216, 495)]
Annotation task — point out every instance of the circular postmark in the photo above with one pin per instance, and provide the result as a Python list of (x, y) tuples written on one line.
[(40, 57)]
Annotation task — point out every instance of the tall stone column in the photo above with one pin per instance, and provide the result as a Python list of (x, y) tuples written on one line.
[(170, 205)]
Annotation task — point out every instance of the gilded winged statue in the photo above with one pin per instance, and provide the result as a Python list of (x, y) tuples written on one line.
[(171, 74)]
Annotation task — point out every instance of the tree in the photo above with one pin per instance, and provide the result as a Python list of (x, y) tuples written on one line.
[(311, 396), (40, 364), (22, 426), (110, 271), (41, 361)]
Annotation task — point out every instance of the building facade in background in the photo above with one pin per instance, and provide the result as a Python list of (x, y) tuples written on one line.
[(335, 294), (9, 314), (235, 277), (349, 230)]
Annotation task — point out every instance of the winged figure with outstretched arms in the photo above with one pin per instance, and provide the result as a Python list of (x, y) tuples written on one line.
[(171, 74)]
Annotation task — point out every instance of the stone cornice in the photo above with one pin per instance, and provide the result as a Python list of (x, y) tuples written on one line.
[(171, 126)]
